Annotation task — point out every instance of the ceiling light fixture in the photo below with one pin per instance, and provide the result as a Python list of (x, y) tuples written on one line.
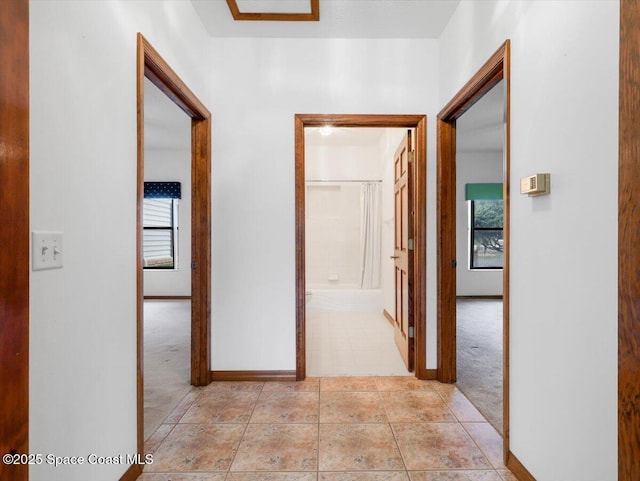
[(326, 130)]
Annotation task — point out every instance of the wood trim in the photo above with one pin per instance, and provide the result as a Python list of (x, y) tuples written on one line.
[(484, 80), (419, 123), (446, 228), (313, 16), (628, 246), (301, 338), (517, 468), (506, 257), (140, 67), (201, 251), (14, 235), (420, 252), (431, 375), (217, 376), (166, 298), (131, 474), (151, 65), (494, 70), (389, 317)]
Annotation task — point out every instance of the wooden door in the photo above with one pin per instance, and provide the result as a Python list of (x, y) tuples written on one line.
[(403, 250), (14, 236)]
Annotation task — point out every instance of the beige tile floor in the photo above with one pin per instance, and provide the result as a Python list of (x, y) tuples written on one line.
[(351, 343), (326, 429)]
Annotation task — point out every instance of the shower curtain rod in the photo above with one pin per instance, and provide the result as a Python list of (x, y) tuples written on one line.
[(340, 181)]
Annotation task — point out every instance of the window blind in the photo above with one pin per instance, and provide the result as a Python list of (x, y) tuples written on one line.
[(483, 191), (162, 190)]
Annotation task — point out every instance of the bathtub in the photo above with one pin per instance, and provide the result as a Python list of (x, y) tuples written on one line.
[(345, 299)]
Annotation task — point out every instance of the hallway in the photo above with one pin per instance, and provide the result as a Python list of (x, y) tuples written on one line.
[(364, 429)]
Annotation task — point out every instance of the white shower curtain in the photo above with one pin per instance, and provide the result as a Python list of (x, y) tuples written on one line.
[(370, 234)]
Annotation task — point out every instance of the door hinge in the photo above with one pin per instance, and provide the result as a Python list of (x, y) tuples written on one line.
[(454, 264), (411, 332), (193, 265), (411, 157), (410, 244)]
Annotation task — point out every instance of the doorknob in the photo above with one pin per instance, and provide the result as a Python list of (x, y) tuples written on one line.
[(394, 257)]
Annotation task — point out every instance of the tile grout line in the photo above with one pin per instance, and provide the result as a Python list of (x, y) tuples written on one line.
[(393, 433), (480, 448), (244, 432)]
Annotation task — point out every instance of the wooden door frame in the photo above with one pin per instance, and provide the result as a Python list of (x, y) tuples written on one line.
[(417, 122), (152, 66), (492, 72), (628, 246), (14, 235)]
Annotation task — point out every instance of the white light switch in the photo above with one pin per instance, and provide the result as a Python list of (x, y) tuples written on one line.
[(46, 249)]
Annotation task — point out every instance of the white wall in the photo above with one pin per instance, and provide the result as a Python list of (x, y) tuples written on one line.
[(473, 167), (257, 87), (563, 331), (341, 162), (172, 166), (83, 183)]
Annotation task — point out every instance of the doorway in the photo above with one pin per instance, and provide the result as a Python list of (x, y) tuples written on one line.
[(166, 257), (490, 74), (416, 288), (151, 66), (480, 250), (352, 324)]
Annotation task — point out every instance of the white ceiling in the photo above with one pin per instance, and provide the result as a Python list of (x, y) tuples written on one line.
[(482, 125), (338, 19)]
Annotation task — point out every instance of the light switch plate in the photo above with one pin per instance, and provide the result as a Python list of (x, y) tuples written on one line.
[(46, 250)]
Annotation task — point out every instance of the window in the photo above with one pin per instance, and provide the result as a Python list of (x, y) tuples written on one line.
[(486, 239), (160, 233)]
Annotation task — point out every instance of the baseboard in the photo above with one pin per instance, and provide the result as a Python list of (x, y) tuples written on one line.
[(253, 376), (389, 317), (479, 297), (166, 298), (131, 474), (518, 469)]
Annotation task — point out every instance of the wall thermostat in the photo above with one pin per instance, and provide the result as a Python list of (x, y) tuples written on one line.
[(538, 184)]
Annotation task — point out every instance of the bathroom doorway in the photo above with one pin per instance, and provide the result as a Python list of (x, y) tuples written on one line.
[(347, 249)]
